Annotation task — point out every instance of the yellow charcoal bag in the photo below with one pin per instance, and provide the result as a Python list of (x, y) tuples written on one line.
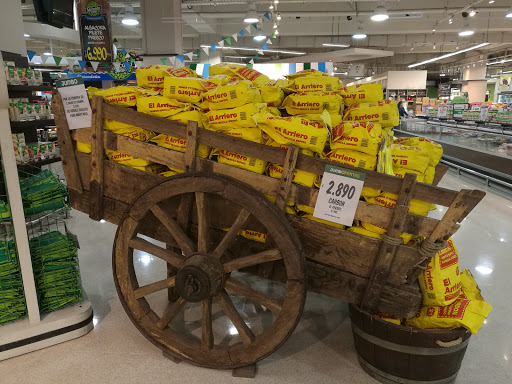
[(388, 199), (83, 147), (125, 159), (366, 232), (251, 134), (160, 106), (469, 286), (233, 95), (123, 96), (466, 313), (153, 168), (285, 84), (241, 71), (409, 157), (179, 145), (274, 111), (434, 149), (306, 73), (221, 120), (193, 115), (353, 158), (185, 89), (331, 122), (383, 112), (361, 93), (440, 283), (304, 103), (388, 318), (310, 216), (221, 79), (362, 137), (272, 96), (153, 76), (241, 161), (274, 198), (253, 235), (297, 131), (316, 84), (299, 177), (400, 172), (430, 172), (171, 172)]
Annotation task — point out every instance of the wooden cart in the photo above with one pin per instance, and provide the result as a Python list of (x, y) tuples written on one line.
[(199, 214)]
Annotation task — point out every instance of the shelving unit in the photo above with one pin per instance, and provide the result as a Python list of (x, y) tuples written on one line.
[(38, 330)]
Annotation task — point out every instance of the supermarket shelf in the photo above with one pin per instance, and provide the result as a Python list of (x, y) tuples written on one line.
[(29, 166), (477, 129), (32, 123), (38, 219), (29, 88)]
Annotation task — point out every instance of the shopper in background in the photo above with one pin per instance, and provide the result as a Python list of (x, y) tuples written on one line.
[(401, 110)]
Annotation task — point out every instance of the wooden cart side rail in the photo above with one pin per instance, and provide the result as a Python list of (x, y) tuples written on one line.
[(375, 214), (311, 164)]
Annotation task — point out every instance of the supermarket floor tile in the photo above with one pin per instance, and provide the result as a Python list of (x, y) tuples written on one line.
[(321, 350)]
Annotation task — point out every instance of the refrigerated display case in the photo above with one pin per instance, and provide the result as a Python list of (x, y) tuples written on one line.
[(505, 98), (483, 147)]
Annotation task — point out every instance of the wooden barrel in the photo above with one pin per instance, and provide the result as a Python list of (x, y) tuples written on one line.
[(393, 353)]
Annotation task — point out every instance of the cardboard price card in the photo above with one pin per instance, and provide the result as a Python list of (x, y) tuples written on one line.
[(75, 102), (339, 195)]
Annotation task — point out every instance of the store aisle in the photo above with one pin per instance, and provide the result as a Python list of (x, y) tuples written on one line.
[(321, 349)]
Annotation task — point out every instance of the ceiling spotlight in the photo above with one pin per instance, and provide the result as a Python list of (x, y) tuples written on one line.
[(412, 48), (276, 32), (259, 34), (466, 31), (251, 16), (359, 33), (442, 74), (335, 68), (271, 6), (275, 25), (450, 20), (278, 17), (26, 35), (434, 46), (129, 17), (433, 29), (276, 1), (380, 14), (472, 13), (509, 13), (491, 1)]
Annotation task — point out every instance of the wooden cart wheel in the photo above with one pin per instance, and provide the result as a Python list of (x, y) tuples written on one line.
[(207, 277)]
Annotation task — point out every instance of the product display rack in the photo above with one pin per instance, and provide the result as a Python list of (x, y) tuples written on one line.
[(484, 148), (37, 330)]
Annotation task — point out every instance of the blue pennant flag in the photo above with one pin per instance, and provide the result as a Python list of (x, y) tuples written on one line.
[(213, 47), (264, 46), (242, 33), (30, 55), (127, 65), (181, 58), (82, 64), (267, 15), (123, 51)]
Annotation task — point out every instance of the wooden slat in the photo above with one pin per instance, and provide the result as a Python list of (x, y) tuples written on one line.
[(172, 309), (174, 229), (154, 287), (66, 147), (246, 335), (244, 290), (202, 222), (192, 143), (97, 185), (286, 179), (387, 251), (252, 260), (168, 256), (232, 233), (207, 340), (440, 172)]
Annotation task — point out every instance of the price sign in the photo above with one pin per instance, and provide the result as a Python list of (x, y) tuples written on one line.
[(76, 103), (95, 30), (339, 194)]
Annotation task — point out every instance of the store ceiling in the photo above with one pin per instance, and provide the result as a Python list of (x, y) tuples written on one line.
[(408, 33)]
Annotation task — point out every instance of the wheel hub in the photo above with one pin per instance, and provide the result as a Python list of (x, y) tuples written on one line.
[(201, 276)]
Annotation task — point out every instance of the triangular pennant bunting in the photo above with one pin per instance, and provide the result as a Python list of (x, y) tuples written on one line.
[(94, 65), (30, 55), (214, 47), (193, 66), (189, 55), (127, 65), (221, 43), (255, 26), (181, 58), (163, 60), (57, 60), (267, 15), (252, 61), (242, 33), (63, 61), (172, 59), (228, 40), (273, 36), (206, 49), (198, 52), (71, 62), (269, 41), (117, 65), (260, 53), (264, 46), (235, 36), (123, 51), (256, 57), (248, 28), (82, 64)]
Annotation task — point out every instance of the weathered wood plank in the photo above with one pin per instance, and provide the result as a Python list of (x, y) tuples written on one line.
[(286, 178), (96, 182)]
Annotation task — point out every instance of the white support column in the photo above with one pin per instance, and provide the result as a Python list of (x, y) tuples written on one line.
[(474, 82), (13, 190)]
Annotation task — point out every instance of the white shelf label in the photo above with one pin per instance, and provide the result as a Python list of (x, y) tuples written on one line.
[(75, 102), (339, 195)]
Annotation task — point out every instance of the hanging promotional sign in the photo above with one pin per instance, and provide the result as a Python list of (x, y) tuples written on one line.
[(443, 90), (504, 84), (75, 102), (95, 30)]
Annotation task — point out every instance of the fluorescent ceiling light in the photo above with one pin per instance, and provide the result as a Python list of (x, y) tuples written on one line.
[(129, 18), (47, 53), (251, 16), (335, 45), (26, 35), (359, 33), (500, 62), (380, 14), (257, 49), (259, 37), (509, 13), (442, 74), (448, 55), (466, 32), (491, 1), (340, 73), (239, 57)]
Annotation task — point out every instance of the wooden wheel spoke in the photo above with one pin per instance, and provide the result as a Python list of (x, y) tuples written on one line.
[(251, 260), (165, 254), (242, 289), (232, 233), (206, 325), (172, 309), (174, 229), (202, 222), (229, 309), (154, 287)]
